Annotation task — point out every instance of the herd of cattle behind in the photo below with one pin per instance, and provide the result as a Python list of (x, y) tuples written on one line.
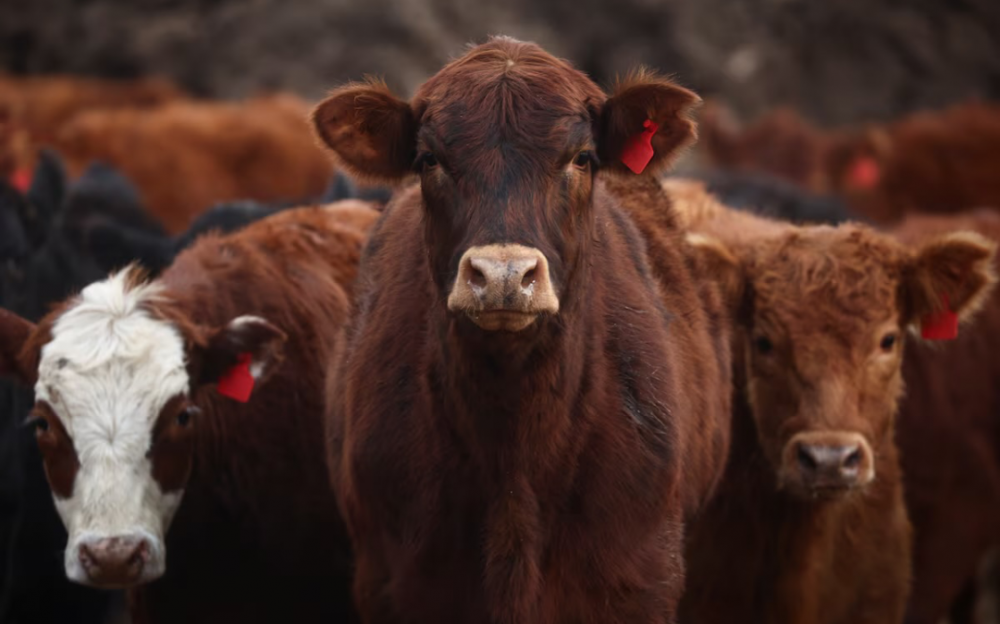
[(475, 357)]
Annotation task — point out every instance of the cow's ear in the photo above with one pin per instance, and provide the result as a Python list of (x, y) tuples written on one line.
[(952, 274), (14, 334), (244, 352), (371, 132), (645, 109), (715, 262)]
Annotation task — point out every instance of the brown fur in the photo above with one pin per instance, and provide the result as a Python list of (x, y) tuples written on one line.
[(187, 156), (258, 537), (949, 439), (933, 162), (824, 299), (34, 108), (542, 475)]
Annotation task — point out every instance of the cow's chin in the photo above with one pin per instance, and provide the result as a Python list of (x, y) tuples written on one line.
[(817, 492), (502, 320)]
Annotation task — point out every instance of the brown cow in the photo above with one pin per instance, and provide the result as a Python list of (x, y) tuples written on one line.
[(34, 108), (136, 439), (949, 438), (517, 427), (187, 156), (933, 161), (809, 524)]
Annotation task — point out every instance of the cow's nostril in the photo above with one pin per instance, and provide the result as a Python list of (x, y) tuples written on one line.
[(853, 459), (806, 459), (476, 277), (528, 279), (86, 557)]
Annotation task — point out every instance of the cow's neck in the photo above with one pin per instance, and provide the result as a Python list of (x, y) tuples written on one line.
[(501, 402)]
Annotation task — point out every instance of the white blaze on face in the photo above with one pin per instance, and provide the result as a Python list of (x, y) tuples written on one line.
[(108, 371)]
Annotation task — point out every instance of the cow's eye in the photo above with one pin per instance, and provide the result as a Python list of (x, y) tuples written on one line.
[(40, 424), (763, 345), (888, 342), (186, 415), (584, 159), (427, 161)]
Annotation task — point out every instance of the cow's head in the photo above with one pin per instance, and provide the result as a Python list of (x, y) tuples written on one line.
[(822, 314), (506, 142), (116, 372)]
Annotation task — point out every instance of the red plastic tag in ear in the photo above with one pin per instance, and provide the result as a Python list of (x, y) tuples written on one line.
[(21, 180), (864, 173), (639, 148), (237, 382), (940, 326)]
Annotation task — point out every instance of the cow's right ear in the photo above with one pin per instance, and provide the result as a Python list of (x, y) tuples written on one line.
[(242, 353), (371, 132), (14, 333), (716, 263)]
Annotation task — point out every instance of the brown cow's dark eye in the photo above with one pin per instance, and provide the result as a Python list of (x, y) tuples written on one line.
[(888, 342), (427, 161), (763, 345), (185, 416), (41, 425), (583, 159)]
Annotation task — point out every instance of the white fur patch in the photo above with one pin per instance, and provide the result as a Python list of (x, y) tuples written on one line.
[(107, 373)]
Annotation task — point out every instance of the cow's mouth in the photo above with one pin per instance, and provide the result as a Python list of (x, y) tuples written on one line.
[(502, 320)]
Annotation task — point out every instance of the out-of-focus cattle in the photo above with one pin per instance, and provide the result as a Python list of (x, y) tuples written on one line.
[(187, 156), (517, 425), (135, 417), (949, 439), (41, 104), (932, 161), (809, 524), (34, 108), (115, 244), (770, 196)]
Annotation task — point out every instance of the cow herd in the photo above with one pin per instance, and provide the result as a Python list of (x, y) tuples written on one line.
[(534, 383)]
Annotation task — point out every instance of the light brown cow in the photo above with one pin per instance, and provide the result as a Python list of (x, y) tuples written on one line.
[(809, 524), (137, 437), (34, 108), (187, 156)]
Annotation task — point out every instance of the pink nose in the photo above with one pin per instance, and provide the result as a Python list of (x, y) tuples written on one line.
[(503, 286), (114, 561)]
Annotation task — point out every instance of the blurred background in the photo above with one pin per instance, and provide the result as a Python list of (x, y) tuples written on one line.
[(837, 61)]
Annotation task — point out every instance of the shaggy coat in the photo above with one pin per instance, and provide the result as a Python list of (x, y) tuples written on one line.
[(533, 475), (819, 317)]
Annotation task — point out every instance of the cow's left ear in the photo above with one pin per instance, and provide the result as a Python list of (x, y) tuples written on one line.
[(14, 334), (949, 275), (240, 355), (623, 130)]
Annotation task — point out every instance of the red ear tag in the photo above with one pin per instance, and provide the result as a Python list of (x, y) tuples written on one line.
[(639, 148), (21, 180), (864, 173), (237, 382), (940, 326)]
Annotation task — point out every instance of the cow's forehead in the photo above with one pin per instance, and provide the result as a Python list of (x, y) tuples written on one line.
[(110, 358), (828, 278)]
